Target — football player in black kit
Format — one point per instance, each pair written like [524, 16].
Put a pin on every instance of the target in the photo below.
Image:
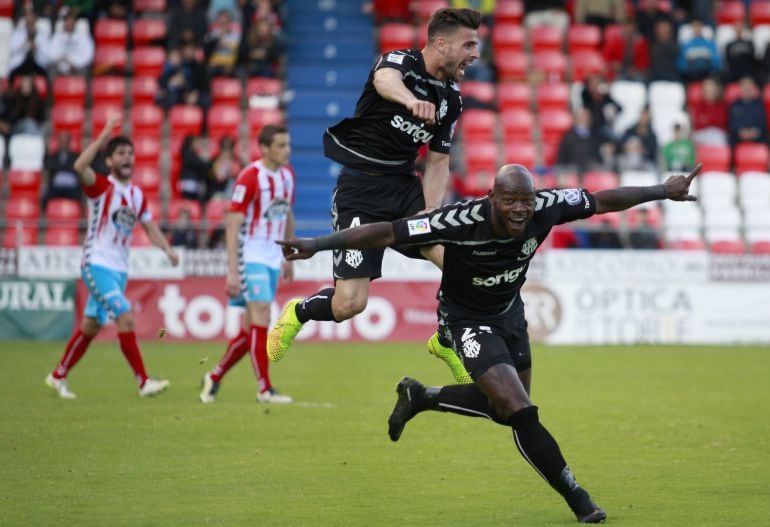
[489, 243]
[411, 99]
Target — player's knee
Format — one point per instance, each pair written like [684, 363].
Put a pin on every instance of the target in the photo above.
[507, 406]
[345, 307]
[125, 322]
[90, 326]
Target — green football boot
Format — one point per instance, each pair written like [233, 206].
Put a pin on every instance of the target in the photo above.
[450, 357]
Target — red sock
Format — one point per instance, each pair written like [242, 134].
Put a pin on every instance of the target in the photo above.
[75, 349]
[236, 349]
[130, 348]
[258, 352]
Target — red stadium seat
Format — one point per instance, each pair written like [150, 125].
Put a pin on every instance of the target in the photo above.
[144, 89]
[146, 150]
[730, 12]
[68, 117]
[728, 247]
[508, 37]
[752, 156]
[481, 156]
[149, 6]
[688, 245]
[391, 10]
[62, 236]
[654, 217]
[518, 125]
[552, 64]
[259, 118]
[24, 183]
[139, 238]
[254, 151]
[759, 12]
[546, 38]
[155, 208]
[110, 32]
[223, 119]
[6, 8]
[109, 59]
[147, 177]
[424, 8]
[509, 11]
[22, 208]
[732, 92]
[520, 153]
[263, 86]
[694, 93]
[583, 37]
[148, 31]
[512, 65]
[108, 90]
[552, 96]
[148, 60]
[185, 120]
[62, 210]
[477, 184]
[215, 212]
[483, 92]
[69, 90]
[100, 113]
[599, 180]
[586, 63]
[514, 95]
[761, 247]
[554, 124]
[395, 35]
[17, 237]
[715, 158]
[176, 205]
[478, 125]
[225, 90]
[146, 119]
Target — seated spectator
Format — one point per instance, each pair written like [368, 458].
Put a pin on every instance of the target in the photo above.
[597, 99]
[29, 48]
[627, 57]
[256, 10]
[648, 14]
[221, 45]
[260, 50]
[224, 169]
[739, 55]
[116, 9]
[187, 23]
[604, 236]
[546, 13]
[644, 235]
[183, 233]
[183, 79]
[70, 52]
[709, 115]
[632, 157]
[579, 149]
[59, 171]
[747, 120]
[643, 130]
[600, 12]
[679, 154]
[664, 53]
[26, 108]
[698, 57]
[195, 170]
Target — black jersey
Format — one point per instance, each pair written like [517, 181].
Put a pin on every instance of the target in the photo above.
[382, 137]
[483, 273]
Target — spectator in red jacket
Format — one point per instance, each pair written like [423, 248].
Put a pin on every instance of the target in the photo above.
[709, 115]
[628, 55]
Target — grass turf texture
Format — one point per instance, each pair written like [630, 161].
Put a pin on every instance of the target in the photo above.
[659, 435]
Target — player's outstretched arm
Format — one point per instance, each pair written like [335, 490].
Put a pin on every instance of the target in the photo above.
[83, 163]
[676, 188]
[371, 236]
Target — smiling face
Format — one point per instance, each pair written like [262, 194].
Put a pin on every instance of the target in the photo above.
[513, 201]
[458, 49]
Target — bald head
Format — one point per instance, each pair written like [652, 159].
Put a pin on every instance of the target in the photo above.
[514, 176]
[512, 199]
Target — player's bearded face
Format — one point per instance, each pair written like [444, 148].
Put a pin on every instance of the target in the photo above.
[513, 211]
[121, 162]
[462, 49]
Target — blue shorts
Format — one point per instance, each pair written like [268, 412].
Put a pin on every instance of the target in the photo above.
[258, 284]
[106, 289]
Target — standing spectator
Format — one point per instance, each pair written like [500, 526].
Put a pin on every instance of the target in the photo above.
[70, 52]
[739, 55]
[643, 130]
[628, 57]
[709, 115]
[698, 57]
[59, 169]
[679, 154]
[747, 120]
[600, 12]
[183, 233]
[579, 148]
[224, 169]
[26, 108]
[597, 99]
[195, 170]
[187, 23]
[222, 44]
[29, 48]
[261, 49]
[644, 235]
[664, 53]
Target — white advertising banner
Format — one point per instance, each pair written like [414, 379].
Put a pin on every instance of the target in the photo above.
[64, 262]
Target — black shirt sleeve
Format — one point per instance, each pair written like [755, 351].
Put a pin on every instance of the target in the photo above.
[442, 141]
[398, 60]
[565, 205]
[456, 222]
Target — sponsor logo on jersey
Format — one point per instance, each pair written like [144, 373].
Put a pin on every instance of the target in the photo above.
[416, 131]
[277, 210]
[571, 196]
[484, 253]
[419, 226]
[395, 58]
[124, 219]
[506, 277]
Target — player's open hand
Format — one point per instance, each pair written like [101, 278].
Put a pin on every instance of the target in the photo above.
[423, 110]
[297, 248]
[678, 187]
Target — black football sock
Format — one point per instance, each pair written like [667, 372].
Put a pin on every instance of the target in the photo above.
[316, 307]
[541, 451]
[463, 399]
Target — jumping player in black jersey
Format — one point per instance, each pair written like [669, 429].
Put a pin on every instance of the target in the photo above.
[411, 99]
[489, 243]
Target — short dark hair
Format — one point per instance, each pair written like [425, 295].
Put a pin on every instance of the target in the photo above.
[269, 131]
[115, 142]
[447, 20]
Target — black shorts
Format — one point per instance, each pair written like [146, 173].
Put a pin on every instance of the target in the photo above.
[363, 198]
[481, 344]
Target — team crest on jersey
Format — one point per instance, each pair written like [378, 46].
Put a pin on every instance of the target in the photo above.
[571, 196]
[442, 109]
[529, 247]
[420, 226]
[354, 258]
[124, 220]
[471, 346]
[277, 210]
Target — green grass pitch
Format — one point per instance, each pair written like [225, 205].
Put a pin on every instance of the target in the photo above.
[659, 435]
